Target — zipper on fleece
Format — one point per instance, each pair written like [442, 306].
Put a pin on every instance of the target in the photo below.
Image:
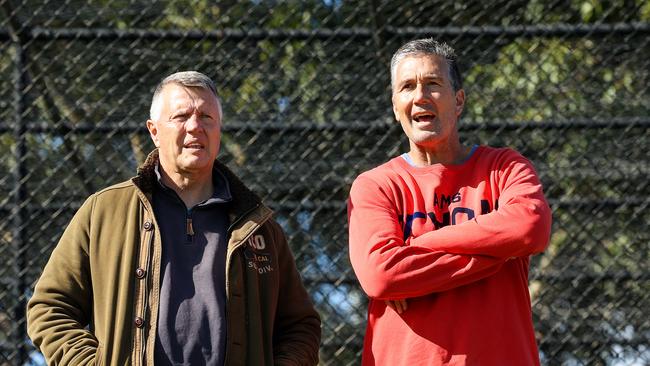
[189, 228]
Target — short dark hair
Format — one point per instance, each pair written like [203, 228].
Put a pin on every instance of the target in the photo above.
[428, 46]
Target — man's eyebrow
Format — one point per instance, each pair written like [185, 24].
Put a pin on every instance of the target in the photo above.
[179, 111]
[425, 77]
[406, 80]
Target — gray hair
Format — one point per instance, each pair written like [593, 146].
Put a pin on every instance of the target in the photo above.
[188, 79]
[427, 47]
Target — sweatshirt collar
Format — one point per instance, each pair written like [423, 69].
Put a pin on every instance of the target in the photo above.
[243, 199]
[221, 188]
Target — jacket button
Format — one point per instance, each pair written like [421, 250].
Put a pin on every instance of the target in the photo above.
[148, 225]
[140, 273]
[139, 322]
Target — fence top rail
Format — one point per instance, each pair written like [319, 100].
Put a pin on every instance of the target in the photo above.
[538, 30]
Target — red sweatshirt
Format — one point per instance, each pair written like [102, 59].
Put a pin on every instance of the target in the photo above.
[455, 241]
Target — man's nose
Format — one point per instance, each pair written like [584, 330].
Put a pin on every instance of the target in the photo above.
[420, 94]
[193, 123]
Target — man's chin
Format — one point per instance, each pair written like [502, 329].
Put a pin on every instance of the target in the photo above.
[196, 164]
[426, 138]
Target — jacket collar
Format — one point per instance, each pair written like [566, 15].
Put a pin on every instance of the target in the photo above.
[243, 199]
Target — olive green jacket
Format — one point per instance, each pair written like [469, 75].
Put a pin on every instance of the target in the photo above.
[96, 302]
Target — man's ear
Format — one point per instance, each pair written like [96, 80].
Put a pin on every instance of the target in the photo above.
[153, 132]
[460, 102]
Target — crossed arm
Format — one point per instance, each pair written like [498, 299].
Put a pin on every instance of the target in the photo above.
[390, 268]
[518, 228]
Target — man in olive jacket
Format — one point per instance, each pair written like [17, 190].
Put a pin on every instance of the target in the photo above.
[182, 264]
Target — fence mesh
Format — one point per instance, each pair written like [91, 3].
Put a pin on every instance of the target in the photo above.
[307, 107]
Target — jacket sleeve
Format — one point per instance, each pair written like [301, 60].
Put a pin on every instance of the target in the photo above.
[60, 309]
[297, 333]
[388, 268]
[520, 227]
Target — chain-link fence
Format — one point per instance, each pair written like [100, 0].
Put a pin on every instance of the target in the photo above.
[307, 107]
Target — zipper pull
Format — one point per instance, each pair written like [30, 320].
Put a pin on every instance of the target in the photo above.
[189, 229]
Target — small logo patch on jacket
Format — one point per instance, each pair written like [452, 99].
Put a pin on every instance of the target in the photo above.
[257, 260]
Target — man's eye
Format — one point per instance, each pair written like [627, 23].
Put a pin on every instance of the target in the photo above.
[408, 86]
[179, 118]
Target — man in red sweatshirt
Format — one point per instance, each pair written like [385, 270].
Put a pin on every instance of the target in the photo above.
[440, 237]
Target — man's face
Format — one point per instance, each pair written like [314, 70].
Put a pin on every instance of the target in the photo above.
[424, 101]
[188, 130]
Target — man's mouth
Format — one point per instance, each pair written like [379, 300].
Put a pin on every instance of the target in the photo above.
[193, 146]
[424, 117]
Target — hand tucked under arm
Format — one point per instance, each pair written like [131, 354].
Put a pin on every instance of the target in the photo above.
[399, 306]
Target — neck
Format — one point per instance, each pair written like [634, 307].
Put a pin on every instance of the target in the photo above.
[424, 155]
[192, 188]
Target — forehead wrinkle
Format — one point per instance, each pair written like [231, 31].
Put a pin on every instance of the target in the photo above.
[411, 65]
[431, 75]
[172, 93]
[194, 102]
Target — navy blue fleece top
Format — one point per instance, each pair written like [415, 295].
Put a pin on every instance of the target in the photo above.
[192, 312]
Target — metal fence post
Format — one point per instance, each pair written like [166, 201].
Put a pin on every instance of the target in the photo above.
[19, 196]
